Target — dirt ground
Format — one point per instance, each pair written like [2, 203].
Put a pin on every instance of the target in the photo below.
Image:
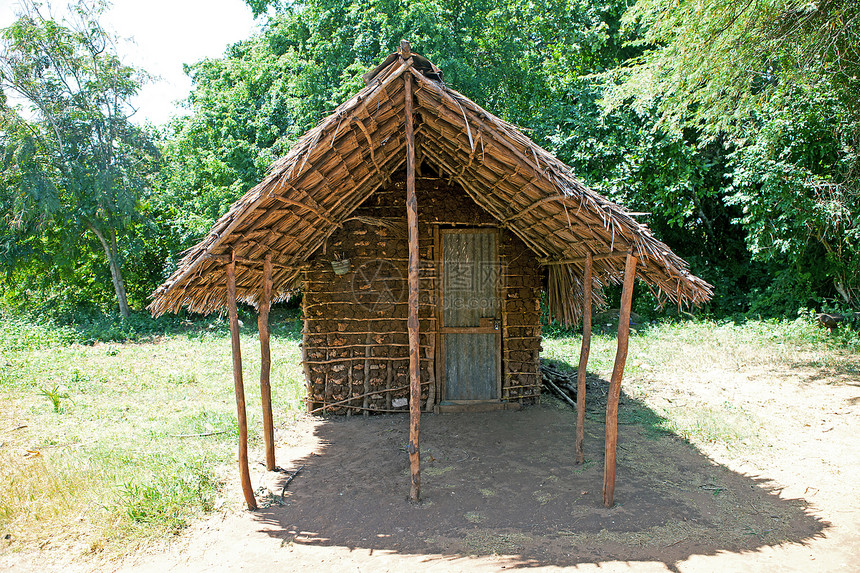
[500, 491]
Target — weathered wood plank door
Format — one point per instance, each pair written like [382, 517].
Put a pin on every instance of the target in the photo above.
[471, 318]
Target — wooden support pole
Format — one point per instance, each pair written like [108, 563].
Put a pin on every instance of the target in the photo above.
[583, 361]
[615, 382]
[244, 474]
[266, 364]
[412, 320]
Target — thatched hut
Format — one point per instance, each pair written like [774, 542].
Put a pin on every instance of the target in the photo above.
[421, 230]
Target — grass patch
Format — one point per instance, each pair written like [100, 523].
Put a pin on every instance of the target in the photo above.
[176, 491]
[92, 452]
[38, 491]
[474, 517]
[669, 382]
[710, 425]
[724, 424]
[653, 424]
[55, 396]
[686, 346]
[489, 541]
[436, 470]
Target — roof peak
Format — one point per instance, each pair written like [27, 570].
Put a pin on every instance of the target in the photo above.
[405, 53]
[405, 49]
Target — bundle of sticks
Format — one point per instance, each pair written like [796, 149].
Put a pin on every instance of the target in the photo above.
[559, 382]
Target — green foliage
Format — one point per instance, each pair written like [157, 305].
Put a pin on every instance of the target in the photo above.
[45, 327]
[788, 291]
[796, 183]
[249, 108]
[20, 332]
[55, 395]
[777, 81]
[175, 492]
[710, 63]
[74, 168]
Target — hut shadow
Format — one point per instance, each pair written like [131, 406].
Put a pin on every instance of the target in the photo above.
[504, 484]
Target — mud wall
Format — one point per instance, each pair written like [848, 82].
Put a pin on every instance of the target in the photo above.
[355, 342]
[521, 333]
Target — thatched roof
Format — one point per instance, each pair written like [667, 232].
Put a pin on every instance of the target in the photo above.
[334, 167]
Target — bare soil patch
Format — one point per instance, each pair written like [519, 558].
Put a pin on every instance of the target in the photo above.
[500, 490]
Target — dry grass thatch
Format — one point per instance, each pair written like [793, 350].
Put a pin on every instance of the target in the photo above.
[334, 167]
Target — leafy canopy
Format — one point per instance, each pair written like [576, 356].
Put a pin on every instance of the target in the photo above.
[74, 167]
[249, 107]
[710, 63]
[778, 82]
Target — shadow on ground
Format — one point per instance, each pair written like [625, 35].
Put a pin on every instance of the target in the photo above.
[504, 484]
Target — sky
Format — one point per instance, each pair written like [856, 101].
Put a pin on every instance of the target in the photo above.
[165, 34]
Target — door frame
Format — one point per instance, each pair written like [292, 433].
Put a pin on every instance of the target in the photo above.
[489, 326]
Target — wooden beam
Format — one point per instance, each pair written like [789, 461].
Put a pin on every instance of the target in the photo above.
[412, 320]
[537, 203]
[583, 362]
[266, 364]
[253, 263]
[244, 474]
[370, 144]
[581, 260]
[315, 210]
[306, 368]
[453, 104]
[615, 383]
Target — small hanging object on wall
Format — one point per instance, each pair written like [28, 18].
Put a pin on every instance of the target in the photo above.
[340, 265]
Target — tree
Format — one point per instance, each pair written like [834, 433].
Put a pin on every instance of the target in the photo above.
[778, 82]
[248, 108]
[73, 162]
[710, 63]
[797, 184]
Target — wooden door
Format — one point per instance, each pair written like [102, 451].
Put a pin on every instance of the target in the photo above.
[470, 317]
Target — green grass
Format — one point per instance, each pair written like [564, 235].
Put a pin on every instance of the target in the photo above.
[90, 432]
[92, 417]
[666, 358]
[693, 345]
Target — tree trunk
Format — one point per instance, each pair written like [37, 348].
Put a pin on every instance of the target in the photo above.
[845, 293]
[112, 254]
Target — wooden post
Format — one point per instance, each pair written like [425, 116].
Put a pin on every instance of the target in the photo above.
[615, 382]
[240, 386]
[583, 362]
[412, 321]
[306, 367]
[266, 363]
